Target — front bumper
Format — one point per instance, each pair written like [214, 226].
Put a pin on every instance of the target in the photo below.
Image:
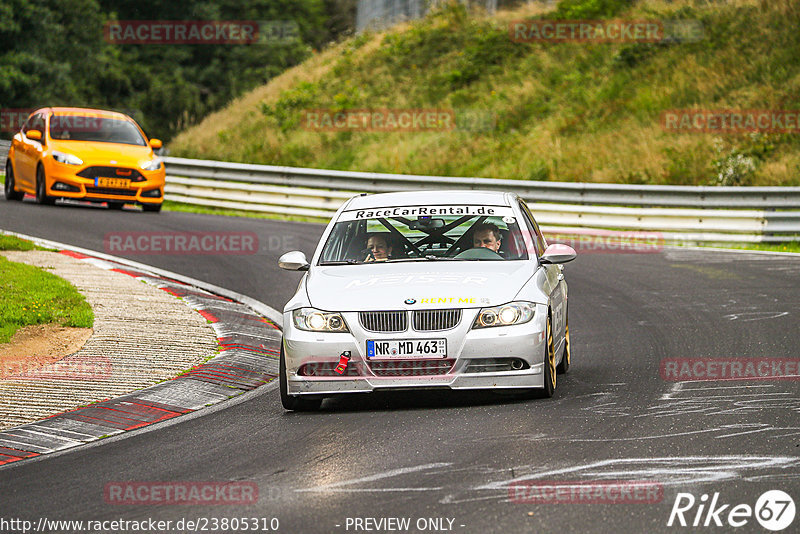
[464, 346]
[149, 191]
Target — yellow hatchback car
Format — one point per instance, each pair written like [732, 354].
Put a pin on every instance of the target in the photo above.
[85, 154]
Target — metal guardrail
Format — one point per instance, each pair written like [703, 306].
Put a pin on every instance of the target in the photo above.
[567, 192]
[678, 213]
[4, 146]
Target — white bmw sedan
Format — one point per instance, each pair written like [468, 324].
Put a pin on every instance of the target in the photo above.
[428, 289]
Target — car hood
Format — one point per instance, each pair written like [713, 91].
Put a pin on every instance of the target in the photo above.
[104, 153]
[430, 284]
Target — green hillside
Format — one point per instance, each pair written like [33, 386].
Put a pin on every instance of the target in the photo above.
[559, 111]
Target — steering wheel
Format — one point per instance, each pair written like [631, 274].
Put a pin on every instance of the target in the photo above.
[481, 253]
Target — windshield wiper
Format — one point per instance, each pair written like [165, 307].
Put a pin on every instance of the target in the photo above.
[428, 257]
[341, 262]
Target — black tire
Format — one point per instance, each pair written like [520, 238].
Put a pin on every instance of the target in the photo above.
[566, 359]
[296, 404]
[41, 192]
[152, 208]
[115, 205]
[549, 365]
[11, 194]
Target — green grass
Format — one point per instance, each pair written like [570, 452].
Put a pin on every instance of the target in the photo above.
[789, 246]
[31, 296]
[566, 112]
[10, 242]
[170, 205]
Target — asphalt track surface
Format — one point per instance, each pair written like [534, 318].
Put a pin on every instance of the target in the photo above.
[440, 455]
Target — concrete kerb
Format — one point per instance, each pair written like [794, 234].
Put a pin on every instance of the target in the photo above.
[248, 358]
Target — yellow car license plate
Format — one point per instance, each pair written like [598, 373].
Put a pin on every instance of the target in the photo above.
[117, 183]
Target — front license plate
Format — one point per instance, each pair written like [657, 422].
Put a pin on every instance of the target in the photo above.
[117, 183]
[397, 349]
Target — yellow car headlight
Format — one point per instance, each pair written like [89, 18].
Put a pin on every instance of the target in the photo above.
[66, 159]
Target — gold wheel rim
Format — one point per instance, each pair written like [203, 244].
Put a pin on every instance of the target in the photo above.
[566, 344]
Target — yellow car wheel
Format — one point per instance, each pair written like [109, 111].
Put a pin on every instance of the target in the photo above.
[41, 190]
[11, 193]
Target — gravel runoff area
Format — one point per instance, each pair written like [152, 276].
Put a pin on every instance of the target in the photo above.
[142, 336]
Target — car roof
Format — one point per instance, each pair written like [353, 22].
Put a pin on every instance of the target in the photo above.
[414, 198]
[61, 111]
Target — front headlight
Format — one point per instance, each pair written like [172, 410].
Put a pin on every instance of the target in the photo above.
[318, 321]
[67, 159]
[505, 315]
[152, 165]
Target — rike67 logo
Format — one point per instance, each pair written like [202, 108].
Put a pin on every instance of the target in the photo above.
[774, 510]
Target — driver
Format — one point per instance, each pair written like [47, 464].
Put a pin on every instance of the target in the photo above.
[486, 235]
[378, 248]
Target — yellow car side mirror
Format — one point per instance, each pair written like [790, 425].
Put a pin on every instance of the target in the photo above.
[36, 135]
[155, 143]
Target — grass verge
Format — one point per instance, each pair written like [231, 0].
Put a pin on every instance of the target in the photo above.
[205, 210]
[789, 246]
[10, 242]
[30, 296]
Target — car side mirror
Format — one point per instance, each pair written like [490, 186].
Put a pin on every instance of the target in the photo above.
[293, 261]
[156, 143]
[558, 253]
[36, 135]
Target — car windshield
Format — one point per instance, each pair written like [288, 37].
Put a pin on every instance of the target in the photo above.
[96, 129]
[425, 233]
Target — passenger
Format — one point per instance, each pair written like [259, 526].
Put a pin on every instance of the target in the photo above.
[378, 248]
[486, 235]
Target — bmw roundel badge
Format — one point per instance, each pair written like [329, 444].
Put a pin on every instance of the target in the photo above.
[410, 301]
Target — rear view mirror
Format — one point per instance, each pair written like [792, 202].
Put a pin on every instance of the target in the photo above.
[36, 135]
[155, 143]
[558, 253]
[293, 261]
[425, 223]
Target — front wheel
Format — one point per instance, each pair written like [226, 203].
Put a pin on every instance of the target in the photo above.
[549, 365]
[566, 358]
[154, 208]
[11, 193]
[297, 404]
[41, 189]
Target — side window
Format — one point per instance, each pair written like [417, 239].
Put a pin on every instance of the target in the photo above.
[27, 126]
[37, 123]
[536, 234]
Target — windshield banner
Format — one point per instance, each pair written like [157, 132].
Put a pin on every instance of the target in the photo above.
[426, 211]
